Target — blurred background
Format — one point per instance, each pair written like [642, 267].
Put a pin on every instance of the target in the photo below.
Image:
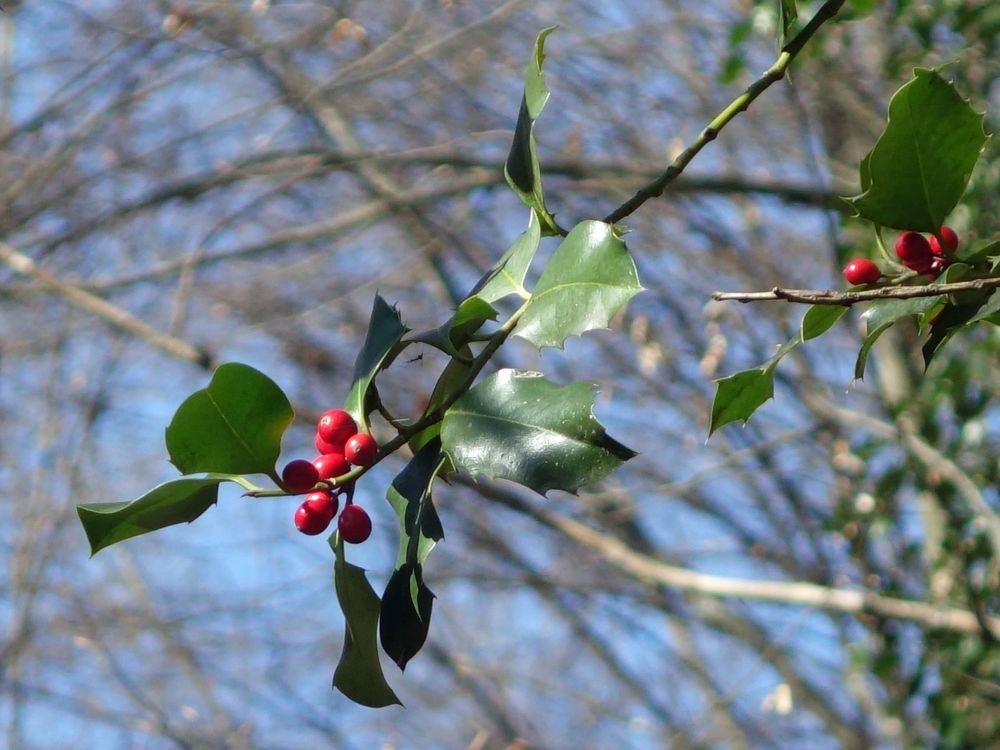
[189, 183]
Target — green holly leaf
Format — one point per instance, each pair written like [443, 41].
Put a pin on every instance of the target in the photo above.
[359, 674]
[950, 321]
[177, 501]
[819, 319]
[920, 165]
[385, 330]
[787, 14]
[517, 425]
[588, 279]
[234, 426]
[407, 601]
[739, 395]
[521, 169]
[881, 316]
[507, 276]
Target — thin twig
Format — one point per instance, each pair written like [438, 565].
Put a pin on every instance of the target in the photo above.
[740, 104]
[112, 314]
[830, 297]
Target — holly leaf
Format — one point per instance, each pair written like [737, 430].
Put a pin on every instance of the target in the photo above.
[406, 613]
[588, 279]
[517, 425]
[787, 14]
[233, 426]
[469, 317]
[950, 321]
[507, 276]
[177, 501]
[881, 316]
[921, 164]
[359, 674]
[407, 601]
[819, 319]
[521, 169]
[410, 496]
[385, 329]
[739, 395]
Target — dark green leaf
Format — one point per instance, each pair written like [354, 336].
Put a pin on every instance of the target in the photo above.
[177, 501]
[819, 319]
[588, 279]
[521, 169]
[988, 310]
[359, 675]
[517, 425]
[456, 333]
[234, 426]
[406, 614]
[921, 163]
[739, 395]
[507, 276]
[890, 311]
[978, 255]
[948, 322]
[385, 329]
[409, 495]
[881, 316]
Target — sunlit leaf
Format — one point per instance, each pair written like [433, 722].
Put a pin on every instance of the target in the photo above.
[521, 169]
[177, 501]
[517, 425]
[920, 165]
[787, 14]
[588, 279]
[507, 276]
[881, 316]
[739, 395]
[819, 319]
[233, 426]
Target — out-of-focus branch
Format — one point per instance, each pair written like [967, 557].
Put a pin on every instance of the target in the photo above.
[831, 599]
[101, 308]
[829, 297]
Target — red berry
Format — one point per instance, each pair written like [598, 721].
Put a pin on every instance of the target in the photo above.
[937, 267]
[335, 426]
[949, 238]
[354, 524]
[323, 502]
[915, 251]
[861, 271]
[299, 475]
[311, 521]
[324, 447]
[331, 465]
[360, 449]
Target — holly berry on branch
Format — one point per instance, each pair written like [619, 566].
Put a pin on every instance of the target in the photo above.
[861, 271]
[354, 524]
[340, 447]
[948, 237]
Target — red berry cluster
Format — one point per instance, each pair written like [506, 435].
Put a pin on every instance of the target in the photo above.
[916, 252]
[340, 446]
